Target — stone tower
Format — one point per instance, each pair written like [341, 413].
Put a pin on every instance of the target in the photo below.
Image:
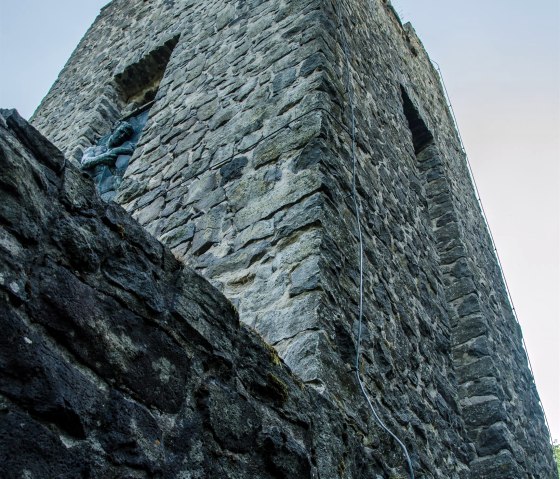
[263, 124]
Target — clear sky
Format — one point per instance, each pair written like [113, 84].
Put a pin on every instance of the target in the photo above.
[501, 62]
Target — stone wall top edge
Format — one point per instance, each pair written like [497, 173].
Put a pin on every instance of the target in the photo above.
[107, 5]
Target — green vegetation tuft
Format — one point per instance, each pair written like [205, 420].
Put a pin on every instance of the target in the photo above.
[278, 388]
[556, 449]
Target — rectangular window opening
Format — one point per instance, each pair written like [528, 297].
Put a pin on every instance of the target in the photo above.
[133, 93]
[138, 84]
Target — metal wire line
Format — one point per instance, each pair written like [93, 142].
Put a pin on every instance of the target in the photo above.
[357, 209]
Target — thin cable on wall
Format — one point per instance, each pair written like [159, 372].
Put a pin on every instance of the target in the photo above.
[357, 208]
[487, 224]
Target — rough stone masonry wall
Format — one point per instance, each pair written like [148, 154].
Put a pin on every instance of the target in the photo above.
[118, 361]
[212, 176]
[85, 101]
[226, 175]
[417, 203]
[244, 171]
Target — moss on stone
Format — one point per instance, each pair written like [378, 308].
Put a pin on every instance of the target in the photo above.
[278, 387]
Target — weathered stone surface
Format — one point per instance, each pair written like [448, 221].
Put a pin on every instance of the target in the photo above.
[493, 439]
[497, 467]
[245, 169]
[117, 361]
[233, 169]
[483, 410]
[305, 277]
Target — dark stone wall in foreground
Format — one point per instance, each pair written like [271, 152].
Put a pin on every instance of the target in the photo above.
[117, 361]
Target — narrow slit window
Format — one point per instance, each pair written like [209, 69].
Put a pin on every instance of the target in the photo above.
[421, 136]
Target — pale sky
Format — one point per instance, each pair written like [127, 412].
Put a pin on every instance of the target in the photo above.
[501, 62]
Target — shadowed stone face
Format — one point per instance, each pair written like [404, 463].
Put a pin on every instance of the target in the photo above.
[118, 361]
